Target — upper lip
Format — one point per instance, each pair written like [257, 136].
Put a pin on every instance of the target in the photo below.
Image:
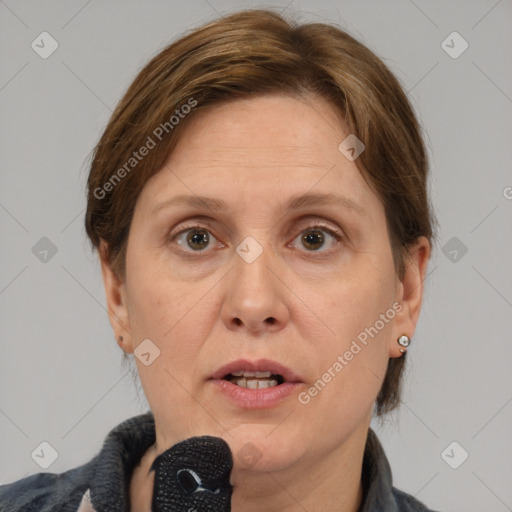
[261, 365]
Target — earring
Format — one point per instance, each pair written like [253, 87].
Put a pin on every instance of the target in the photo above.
[120, 342]
[403, 341]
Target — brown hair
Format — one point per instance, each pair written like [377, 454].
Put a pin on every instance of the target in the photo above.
[253, 53]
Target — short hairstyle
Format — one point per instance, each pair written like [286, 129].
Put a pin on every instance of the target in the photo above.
[253, 53]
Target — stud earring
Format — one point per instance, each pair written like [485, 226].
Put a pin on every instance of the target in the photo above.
[404, 342]
[120, 342]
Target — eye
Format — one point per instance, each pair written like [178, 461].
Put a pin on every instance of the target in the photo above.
[196, 238]
[314, 238]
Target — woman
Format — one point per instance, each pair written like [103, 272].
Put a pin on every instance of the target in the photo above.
[258, 201]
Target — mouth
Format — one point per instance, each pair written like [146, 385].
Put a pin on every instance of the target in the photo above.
[255, 380]
[256, 384]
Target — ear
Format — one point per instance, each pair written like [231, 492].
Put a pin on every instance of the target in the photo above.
[115, 290]
[410, 293]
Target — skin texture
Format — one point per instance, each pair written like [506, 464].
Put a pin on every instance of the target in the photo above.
[298, 304]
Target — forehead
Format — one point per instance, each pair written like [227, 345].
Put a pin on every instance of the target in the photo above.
[266, 147]
[279, 129]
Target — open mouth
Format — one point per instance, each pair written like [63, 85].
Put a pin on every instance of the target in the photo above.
[254, 380]
[260, 384]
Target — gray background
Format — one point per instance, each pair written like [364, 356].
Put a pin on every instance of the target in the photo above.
[61, 377]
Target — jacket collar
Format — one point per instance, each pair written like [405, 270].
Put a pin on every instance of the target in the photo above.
[85, 504]
[112, 468]
[377, 478]
[126, 444]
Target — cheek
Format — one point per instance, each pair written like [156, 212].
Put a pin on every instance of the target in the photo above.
[157, 299]
[349, 377]
[354, 301]
[175, 315]
[354, 353]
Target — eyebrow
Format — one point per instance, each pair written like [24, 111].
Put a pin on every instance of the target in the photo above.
[294, 203]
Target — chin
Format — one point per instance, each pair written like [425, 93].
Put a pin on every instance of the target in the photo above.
[263, 448]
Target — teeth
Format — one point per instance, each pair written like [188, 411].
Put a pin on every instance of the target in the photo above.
[256, 384]
[252, 384]
[254, 380]
[263, 384]
[261, 375]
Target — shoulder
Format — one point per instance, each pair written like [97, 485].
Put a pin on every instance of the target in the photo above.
[45, 492]
[408, 503]
[105, 476]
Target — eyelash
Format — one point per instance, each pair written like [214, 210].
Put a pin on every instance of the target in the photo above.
[206, 226]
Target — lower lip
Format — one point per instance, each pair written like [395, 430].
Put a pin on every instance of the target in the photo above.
[256, 398]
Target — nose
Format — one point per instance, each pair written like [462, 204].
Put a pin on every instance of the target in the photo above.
[255, 298]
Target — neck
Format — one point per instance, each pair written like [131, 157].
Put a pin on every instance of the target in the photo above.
[142, 482]
[331, 482]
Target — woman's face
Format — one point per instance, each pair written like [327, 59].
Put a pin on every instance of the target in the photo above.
[260, 247]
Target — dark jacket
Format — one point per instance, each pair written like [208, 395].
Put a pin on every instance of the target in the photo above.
[102, 485]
